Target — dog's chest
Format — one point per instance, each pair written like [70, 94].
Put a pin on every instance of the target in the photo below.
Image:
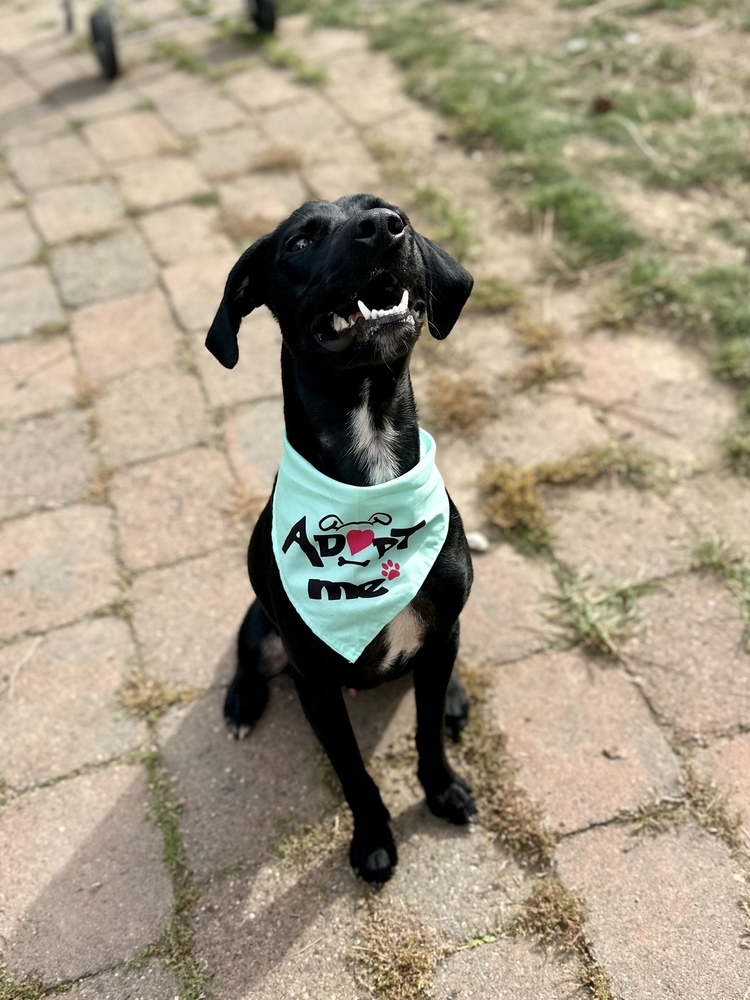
[403, 637]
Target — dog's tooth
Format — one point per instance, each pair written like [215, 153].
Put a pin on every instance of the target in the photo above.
[404, 303]
[339, 323]
[363, 309]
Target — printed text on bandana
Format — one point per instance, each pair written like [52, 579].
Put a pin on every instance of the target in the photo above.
[342, 542]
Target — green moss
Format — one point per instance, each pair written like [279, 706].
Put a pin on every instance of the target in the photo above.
[725, 293]
[731, 361]
[594, 230]
[282, 57]
[447, 226]
[25, 989]
[736, 450]
[176, 948]
[492, 295]
[337, 14]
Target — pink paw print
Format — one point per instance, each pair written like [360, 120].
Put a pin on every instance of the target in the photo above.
[390, 570]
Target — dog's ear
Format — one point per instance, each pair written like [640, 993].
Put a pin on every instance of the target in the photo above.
[243, 292]
[448, 287]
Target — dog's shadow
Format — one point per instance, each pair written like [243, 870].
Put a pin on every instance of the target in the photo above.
[111, 897]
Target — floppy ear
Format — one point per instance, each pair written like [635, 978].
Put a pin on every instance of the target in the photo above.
[448, 287]
[243, 292]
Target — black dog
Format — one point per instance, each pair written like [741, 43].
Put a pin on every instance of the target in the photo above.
[351, 285]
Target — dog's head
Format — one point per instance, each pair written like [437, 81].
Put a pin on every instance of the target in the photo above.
[350, 283]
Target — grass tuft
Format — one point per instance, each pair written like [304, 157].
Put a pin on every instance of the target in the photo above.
[176, 948]
[552, 915]
[505, 808]
[615, 460]
[299, 846]
[736, 450]
[448, 226]
[512, 504]
[595, 231]
[555, 917]
[731, 361]
[701, 802]
[149, 697]
[458, 403]
[733, 569]
[396, 955]
[25, 989]
[494, 295]
[548, 366]
[596, 619]
[716, 554]
[511, 493]
[744, 905]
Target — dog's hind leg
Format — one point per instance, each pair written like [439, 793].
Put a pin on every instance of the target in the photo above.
[456, 708]
[260, 655]
[447, 794]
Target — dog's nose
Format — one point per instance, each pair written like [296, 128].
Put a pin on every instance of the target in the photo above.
[379, 228]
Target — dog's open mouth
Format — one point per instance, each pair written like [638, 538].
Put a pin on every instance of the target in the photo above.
[383, 305]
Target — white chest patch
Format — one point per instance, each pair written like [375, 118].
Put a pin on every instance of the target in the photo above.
[404, 636]
[372, 446]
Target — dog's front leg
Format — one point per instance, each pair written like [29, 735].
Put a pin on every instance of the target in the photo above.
[447, 794]
[372, 852]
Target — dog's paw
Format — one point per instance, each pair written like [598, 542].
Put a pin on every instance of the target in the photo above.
[373, 856]
[243, 706]
[455, 803]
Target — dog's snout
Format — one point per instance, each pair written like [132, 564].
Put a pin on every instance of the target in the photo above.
[379, 227]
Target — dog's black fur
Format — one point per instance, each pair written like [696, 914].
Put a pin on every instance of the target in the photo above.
[349, 410]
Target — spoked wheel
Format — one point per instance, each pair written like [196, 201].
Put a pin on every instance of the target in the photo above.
[103, 39]
[263, 13]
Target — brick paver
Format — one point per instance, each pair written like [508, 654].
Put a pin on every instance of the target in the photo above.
[664, 918]
[172, 508]
[96, 863]
[32, 475]
[691, 656]
[28, 302]
[150, 412]
[76, 210]
[47, 728]
[39, 375]
[132, 463]
[112, 265]
[130, 137]
[56, 567]
[122, 335]
[586, 743]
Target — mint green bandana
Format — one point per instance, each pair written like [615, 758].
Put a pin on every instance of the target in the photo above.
[352, 557]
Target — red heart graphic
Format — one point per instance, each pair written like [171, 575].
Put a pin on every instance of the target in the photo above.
[358, 540]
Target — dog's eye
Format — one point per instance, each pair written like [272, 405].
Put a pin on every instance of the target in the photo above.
[298, 243]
